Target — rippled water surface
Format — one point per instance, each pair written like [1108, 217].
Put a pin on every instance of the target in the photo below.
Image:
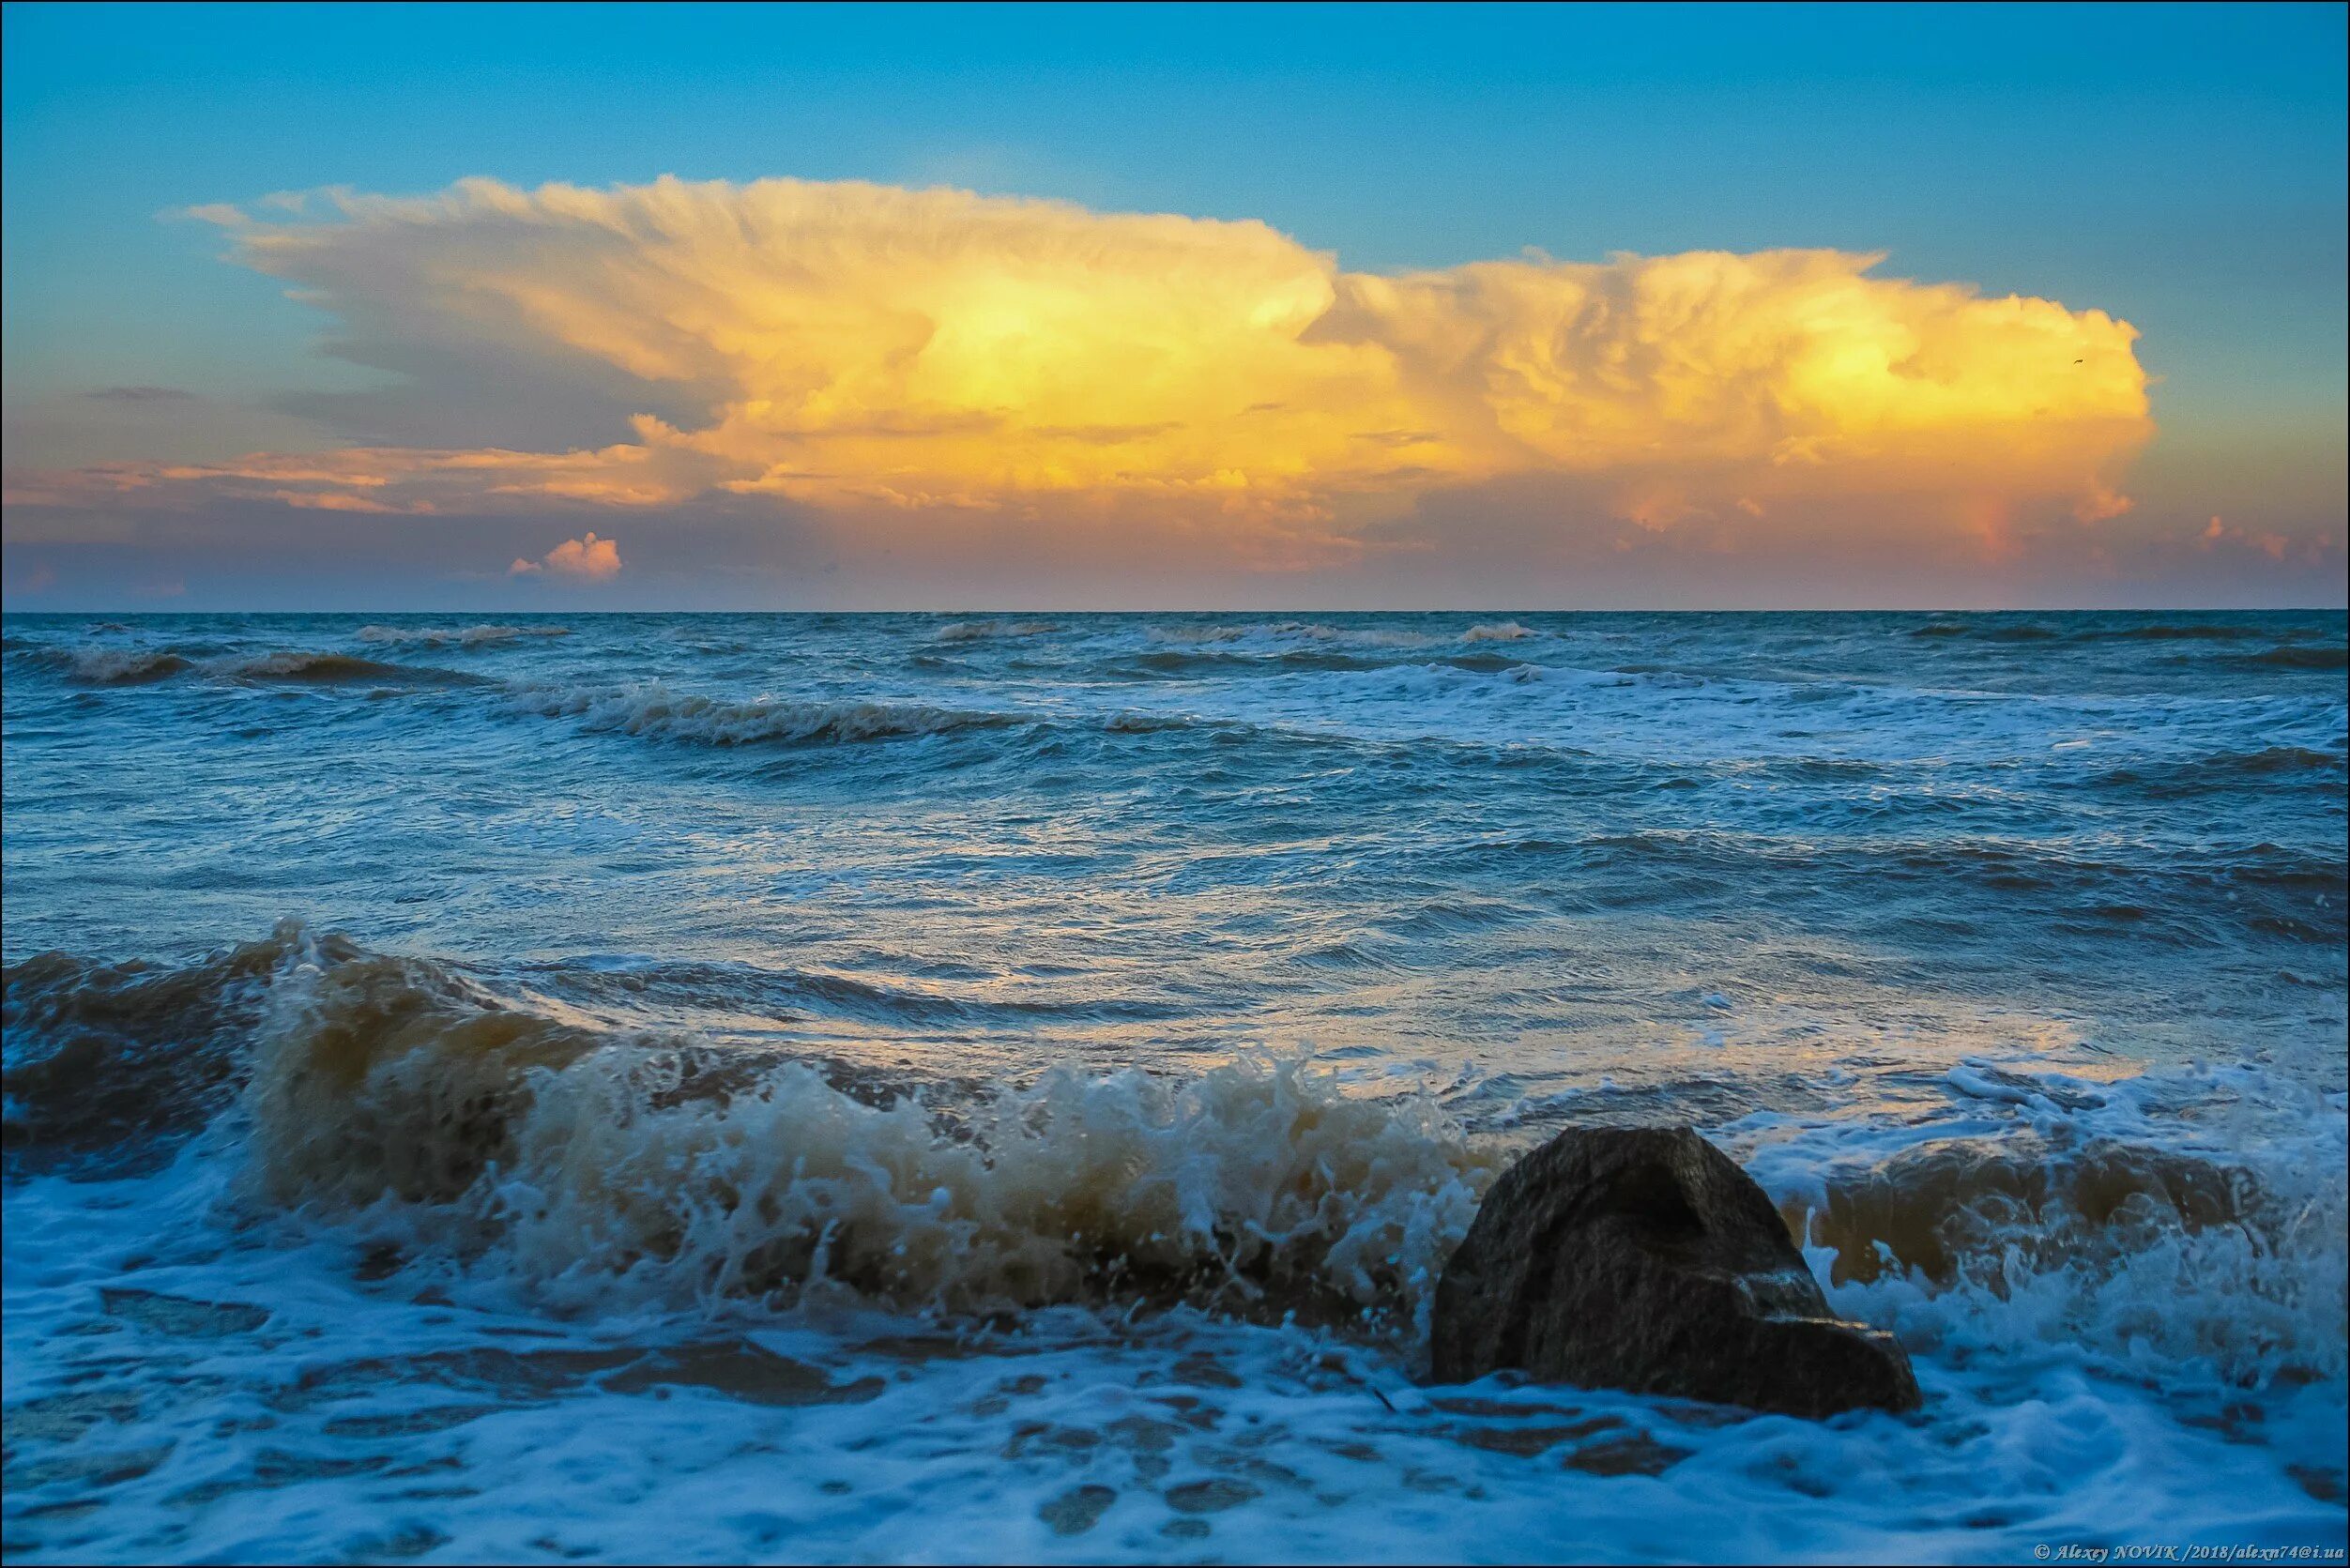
[899, 1086]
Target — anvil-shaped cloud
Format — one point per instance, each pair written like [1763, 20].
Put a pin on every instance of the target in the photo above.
[865, 350]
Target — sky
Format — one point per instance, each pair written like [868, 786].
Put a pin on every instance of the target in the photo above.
[383, 308]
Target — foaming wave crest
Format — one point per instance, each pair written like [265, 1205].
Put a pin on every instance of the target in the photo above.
[1496, 631]
[455, 636]
[115, 667]
[2183, 1219]
[653, 708]
[387, 1087]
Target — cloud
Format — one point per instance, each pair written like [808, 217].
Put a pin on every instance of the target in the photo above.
[898, 359]
[2275, 546]
[587, 558]
[225, 215]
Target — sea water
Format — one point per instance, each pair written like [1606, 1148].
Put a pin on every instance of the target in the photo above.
[620, 1088]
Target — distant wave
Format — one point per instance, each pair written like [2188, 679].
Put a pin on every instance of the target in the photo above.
[113, 666]
[1205, 661]
[984, 631]
[656, 709]
[118, 666]
[329, 669]
[2300, 656]
[1278, 633]
[455, 636]
[2185, 633]
[2291, 655]
[1496, 631]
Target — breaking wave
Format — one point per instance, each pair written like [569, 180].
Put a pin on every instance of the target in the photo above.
[115, 666]
[2180, 1219]
[392, 1091]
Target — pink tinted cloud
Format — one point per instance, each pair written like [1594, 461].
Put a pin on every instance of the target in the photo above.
[588, 558]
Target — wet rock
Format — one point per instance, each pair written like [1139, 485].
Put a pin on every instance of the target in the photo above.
[1645, 1258]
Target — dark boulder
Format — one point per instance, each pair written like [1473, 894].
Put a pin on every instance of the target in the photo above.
[1644, 1258]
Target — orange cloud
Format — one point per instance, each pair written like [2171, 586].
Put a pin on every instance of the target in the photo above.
[2273, 545]
[870, 351]
[587, 557]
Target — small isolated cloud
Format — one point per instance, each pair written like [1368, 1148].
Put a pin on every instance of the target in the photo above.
[588, 558]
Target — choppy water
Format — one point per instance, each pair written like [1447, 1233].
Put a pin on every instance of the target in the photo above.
[905, 1086]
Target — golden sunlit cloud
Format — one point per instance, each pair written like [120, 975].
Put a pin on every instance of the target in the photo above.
[867, 351]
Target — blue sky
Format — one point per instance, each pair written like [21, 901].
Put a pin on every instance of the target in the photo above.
[2181, 167]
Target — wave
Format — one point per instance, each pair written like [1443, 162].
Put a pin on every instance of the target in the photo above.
[766, 994]
[2267, 886]
[619, 1171]
[115, 666]
[2222, 771]
[1209, 662]
[1998, 632]
[455, 636]
[330, 669]
[2299, 657]
[1291, 632]
[1496, 631]
[2289, 655]
[2188, 1218]
[2183, 633]
[984, 631]
[581, 1163]
[2180, 1220]
[654, 708]
[107, 1064]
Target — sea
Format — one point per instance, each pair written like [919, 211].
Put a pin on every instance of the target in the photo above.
[954, 1088]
